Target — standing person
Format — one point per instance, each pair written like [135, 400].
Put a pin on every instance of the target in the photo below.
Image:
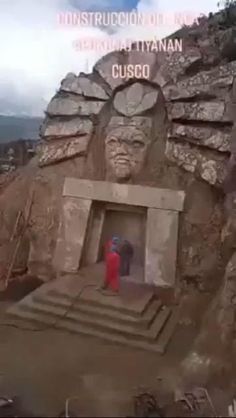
[107, 248]
[113, 241]
[126, 253]
[112, 260]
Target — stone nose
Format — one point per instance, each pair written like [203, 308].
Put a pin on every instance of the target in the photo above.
[121, 146]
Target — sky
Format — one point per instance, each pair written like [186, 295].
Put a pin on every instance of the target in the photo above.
[37, 52]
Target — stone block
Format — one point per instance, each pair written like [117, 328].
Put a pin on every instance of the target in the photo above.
[161, 247]
[123, 193]
[202, 136]
[104, 68]
[62, 149]
[71, 239]
[231, 111]
[174, 64]
[72, 106]
[208, 166]
[213, 82]
[135, 99]
[203, 111]
[59, 128]
[94, 236]
[143, 58]
[83, 86]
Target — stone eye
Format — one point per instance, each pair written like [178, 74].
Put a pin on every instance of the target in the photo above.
[112, 141]
[138, 144]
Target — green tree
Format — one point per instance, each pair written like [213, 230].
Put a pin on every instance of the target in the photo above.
[227, 3]
[228, 10]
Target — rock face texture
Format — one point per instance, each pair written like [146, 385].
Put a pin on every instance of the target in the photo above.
[196, 101]
[173, 130]
[135, 99]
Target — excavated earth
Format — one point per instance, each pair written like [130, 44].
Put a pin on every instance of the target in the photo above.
[44, 368]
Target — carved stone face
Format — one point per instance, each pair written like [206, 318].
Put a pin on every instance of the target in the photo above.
[125, 150]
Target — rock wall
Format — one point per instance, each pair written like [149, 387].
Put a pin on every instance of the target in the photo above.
[15, 189]
[172, 130]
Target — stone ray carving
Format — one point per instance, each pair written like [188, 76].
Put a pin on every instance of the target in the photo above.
[196, 161]
[55, 151]
[205, 82]
[72, 106]
[183, 89]
[83, 86]
[143, 58]
[213, 111]
[173, 65]
[104, 68]
[135, 99]
[59, 128]
[202, 136]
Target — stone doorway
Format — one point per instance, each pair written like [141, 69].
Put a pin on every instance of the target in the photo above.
[84, 207]
[128, 223]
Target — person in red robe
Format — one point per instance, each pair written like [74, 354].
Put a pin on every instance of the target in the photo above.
[112, 260]
[114, 241]
[108, 246]
[113, 270]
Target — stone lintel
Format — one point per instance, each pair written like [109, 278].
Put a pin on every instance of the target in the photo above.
[124, 194]
[125, 208]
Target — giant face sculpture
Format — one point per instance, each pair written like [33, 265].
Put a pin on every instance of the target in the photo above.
[126, 146]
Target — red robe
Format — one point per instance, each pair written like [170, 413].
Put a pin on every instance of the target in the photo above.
[108, 246]
[112, 270]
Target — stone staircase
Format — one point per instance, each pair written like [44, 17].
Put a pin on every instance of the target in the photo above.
[135, 318]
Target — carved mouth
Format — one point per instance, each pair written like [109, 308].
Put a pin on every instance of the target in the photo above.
[121, 160]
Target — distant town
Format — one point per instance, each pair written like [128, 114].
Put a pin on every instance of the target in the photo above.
[19, 137]
[16, 153]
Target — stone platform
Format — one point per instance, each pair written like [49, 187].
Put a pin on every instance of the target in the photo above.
[135, 317]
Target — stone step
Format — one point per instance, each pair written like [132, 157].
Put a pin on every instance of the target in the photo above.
[112, 338]
[128, 331]
[16, 313]
[59, 305]
[92, 297]
[168, 331]
[45, 322]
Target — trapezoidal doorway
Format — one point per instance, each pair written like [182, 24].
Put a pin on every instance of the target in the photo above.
[127, 223]
[148, 217]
